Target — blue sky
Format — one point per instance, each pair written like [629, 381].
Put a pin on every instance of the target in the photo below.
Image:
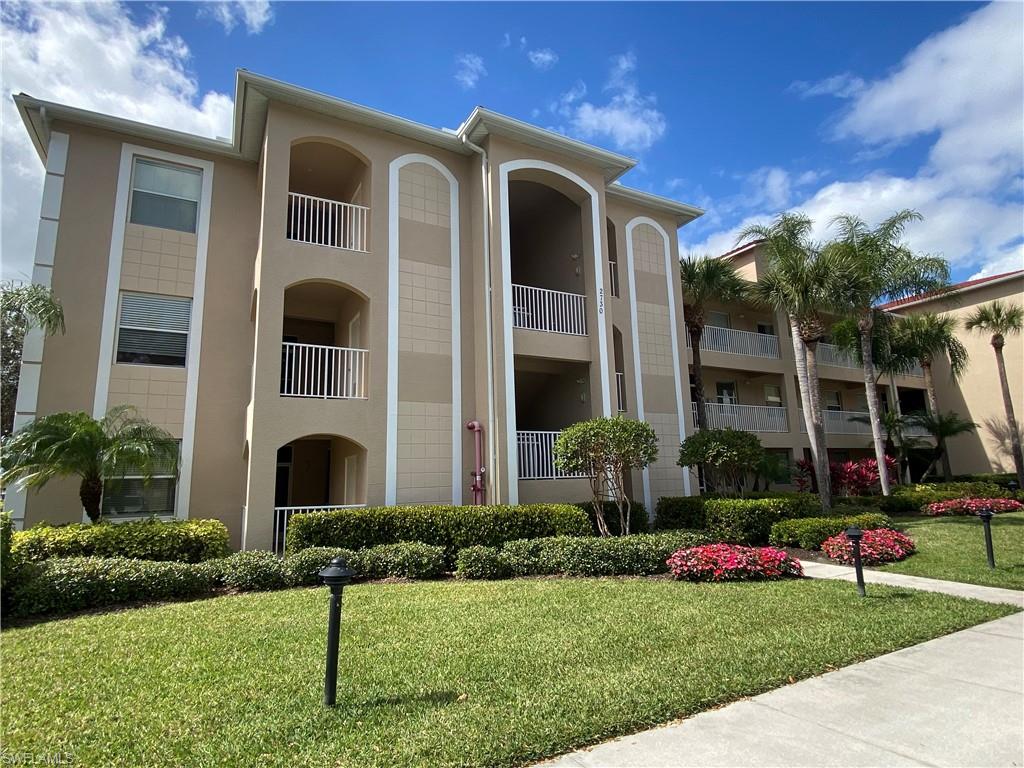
[745, 109]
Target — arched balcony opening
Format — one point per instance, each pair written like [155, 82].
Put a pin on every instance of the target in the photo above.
[620, 369]
[613, 259]
[316, 472]
[328, 196]
[324, 349]
[547, 245]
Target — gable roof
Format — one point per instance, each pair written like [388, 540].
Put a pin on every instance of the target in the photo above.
[957, 288]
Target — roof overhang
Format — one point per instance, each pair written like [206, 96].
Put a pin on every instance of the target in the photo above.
[681, 212]
[895, 308]
[483, 122]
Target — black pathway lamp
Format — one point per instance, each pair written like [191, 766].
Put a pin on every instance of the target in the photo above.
[986, 520]
[854, 534]
[335, 576]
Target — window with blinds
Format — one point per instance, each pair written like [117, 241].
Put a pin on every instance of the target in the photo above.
[153, 330]
[132, 496]
[165, 195]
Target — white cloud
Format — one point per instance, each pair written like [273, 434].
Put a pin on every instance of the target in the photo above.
[1010, 261]
[254, 15]
[629, 119]
[842, 86]
[94, 56]
[469, 68]
[964, 87]
[506, 40]
[542, 58]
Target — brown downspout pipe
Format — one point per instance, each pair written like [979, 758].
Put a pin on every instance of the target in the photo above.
[478, 488]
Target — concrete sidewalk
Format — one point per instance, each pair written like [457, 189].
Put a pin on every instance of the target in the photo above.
[957, 700]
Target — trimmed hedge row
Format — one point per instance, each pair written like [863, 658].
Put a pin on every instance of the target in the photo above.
[674, 512]
[6, 534]
[637, 516]
[909, 499]
[450, 527]
[811, 532]
[185, 541]
[636, 555]
[745, 520]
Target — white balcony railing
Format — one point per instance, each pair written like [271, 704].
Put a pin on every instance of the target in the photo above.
[620, 390]
[749, 418]
[314, 370]
[842, 423]
[718, 339]
[541, 309]
[537, 458]
[331, 223]
[283, 514]
[830, 354]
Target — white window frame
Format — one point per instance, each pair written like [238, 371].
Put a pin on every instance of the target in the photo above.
[187, 334]
[166, 164]
[726, 315]
[839, 400]
[767, 401]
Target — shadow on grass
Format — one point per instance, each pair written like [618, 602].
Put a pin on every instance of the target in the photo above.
[432, 698]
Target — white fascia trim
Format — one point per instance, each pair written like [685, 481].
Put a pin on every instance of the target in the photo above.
[954, 292]
[637, 373]
[391, 461]
[109, 327]
[506, 290]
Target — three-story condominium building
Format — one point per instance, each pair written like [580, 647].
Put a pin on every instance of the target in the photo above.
[318, 307]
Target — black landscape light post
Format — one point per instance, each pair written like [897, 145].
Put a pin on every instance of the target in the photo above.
[335, 576]
[1012, 485]
[854, 534]
[986, 520]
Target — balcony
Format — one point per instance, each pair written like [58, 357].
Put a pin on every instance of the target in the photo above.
[541, 309]
[749, 418]
[536, 456]
[830, 354]
[717, 339]
[841, 423]
[324, 372]
[330, 223]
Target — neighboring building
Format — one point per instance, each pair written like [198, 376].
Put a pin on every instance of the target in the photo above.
[750, 378]
[977, 395]
[317, 306]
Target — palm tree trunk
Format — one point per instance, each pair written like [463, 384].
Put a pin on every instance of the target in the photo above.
[933, 406]
[1011, 421]
[874, 411]
[817, 426]
[800, 355]
[90, 491]
[696, 332]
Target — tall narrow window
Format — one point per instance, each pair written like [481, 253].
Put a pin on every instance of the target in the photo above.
[613, 260]
[773, 395]
[832, 399]
[153, 330]
[165, 195]
[132, 496]
[719, 319]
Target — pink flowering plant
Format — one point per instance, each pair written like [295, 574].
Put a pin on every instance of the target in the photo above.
[879, 545]
[970, 506]
[732, 562]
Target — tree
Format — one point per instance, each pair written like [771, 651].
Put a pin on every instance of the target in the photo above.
[727, 455]
[882, 268]
[805, 283]
[1001, 319]
[605, 450]
[705, 279]
[942, 427]
[897, 442]
[21, 308]
[926, 337]
[95, 450]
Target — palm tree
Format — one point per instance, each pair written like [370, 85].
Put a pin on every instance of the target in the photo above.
[21, 307]
[96, 450]
[941, 426]
[925, 337]
[883, 268]
[705, 279]
[1000, 320]
[805, 283]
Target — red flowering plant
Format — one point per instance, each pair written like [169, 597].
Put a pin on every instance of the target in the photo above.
[803, 475]
[859, 478]
[970, 506]
[880, 545]
[732, 562]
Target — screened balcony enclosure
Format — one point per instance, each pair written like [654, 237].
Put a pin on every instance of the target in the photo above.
[328, 196]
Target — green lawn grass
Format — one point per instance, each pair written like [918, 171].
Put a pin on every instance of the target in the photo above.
[953, 548]
[433, 673]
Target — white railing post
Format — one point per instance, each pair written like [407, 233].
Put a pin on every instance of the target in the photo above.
[330, 223]
[718, 339]
[749, 418]
[536, 456]
[282, 515]
[316, 370]
[541, 309]
[620, 390]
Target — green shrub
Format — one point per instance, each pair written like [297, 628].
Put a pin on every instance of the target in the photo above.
[6, 532]
[998, 478]
[253, 570]
[62, 585]
[637, 555]
[303, 568]
[185, 541]
[453, 528]
[811, 532]
[406, 560]
[482, 563]
[750, 521]
[679, 512]
[909, 499]
[637, 517]
[727, 455]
